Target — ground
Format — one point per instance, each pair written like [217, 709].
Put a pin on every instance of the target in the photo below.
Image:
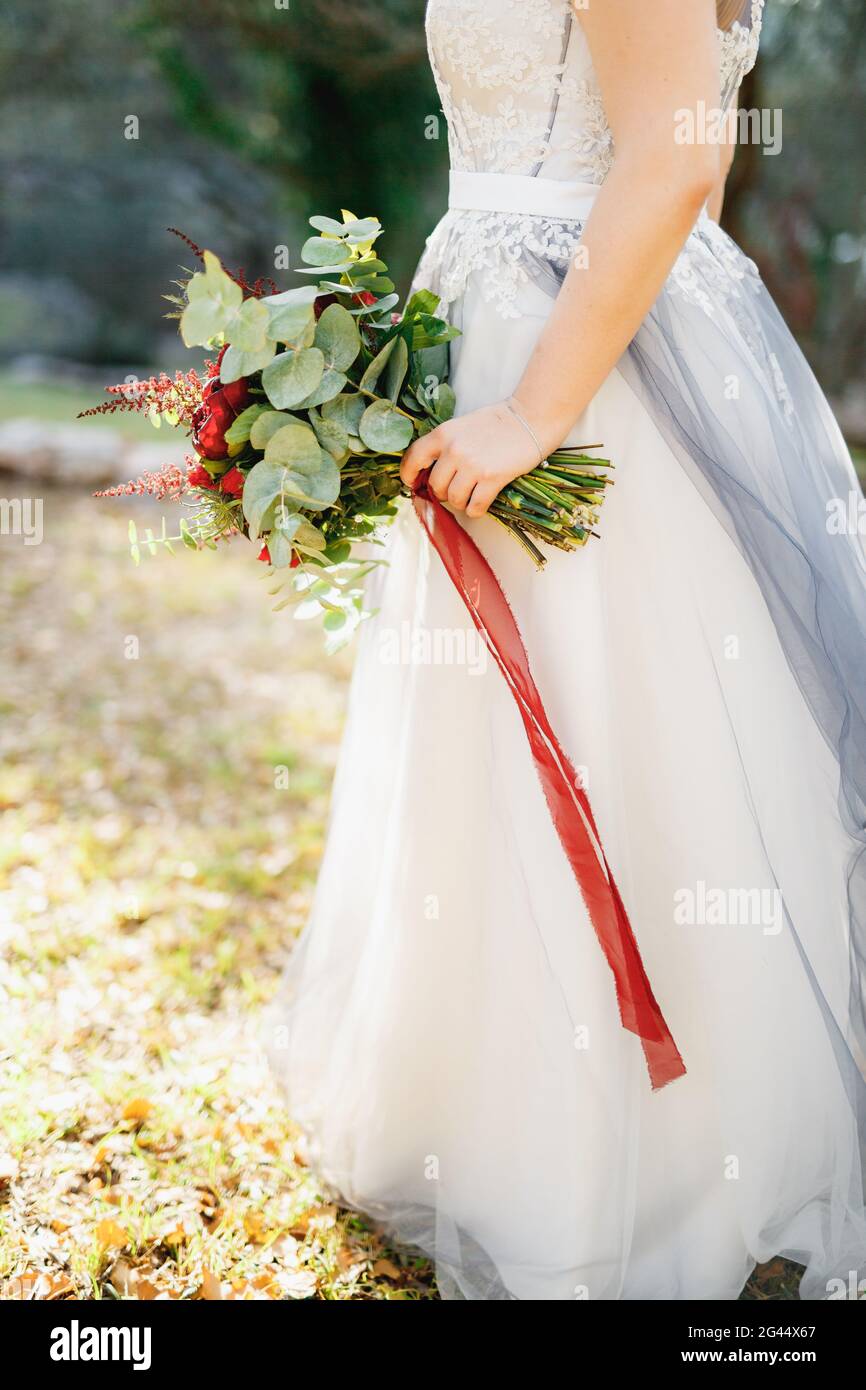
[154, 873]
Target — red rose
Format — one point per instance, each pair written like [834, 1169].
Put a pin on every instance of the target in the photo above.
[295, 560]
[265, 554]
[199, 477]
[366, 296]
[233, 482]
[322, 303]
[219, 407]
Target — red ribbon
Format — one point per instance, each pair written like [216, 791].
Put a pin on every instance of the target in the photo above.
[569, 805]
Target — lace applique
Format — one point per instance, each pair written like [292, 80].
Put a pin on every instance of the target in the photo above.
[498, 247]
[739, 50]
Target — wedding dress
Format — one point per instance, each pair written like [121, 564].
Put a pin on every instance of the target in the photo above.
[448, 1033]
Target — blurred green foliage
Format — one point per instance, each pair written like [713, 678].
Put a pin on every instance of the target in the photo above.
[236, 119]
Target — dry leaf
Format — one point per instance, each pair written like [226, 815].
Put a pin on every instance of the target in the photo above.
[387, 1269]
[211, 1288]
[255, 1227]
[8, 1169]
[138, 1110]
[314, 1219]
[110, 1236]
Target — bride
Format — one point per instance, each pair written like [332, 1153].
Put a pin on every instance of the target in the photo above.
[449, 1033]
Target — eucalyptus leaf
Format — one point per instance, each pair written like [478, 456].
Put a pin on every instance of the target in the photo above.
[236, 363]
[280, 549]
[267, 425]
[239, 431]
[396, 369]
[385, 429]
[262, 488]
[327, 224]
[290, 322]
[321, 251]
[213, 298]
[293, 375]
[445, 401]
[310, 477]
[377, 366]
[338, 337]
[330, 386]
[331, 435]
[248, 329]
[346, 411]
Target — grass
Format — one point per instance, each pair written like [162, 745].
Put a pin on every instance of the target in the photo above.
[152, 881]
[60, 403]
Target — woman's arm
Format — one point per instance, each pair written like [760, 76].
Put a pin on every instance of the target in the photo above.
[652, 60]
[716, 200]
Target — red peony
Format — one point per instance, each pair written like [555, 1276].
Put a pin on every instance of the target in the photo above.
[233, 482]
[219, 407]
[199, 477]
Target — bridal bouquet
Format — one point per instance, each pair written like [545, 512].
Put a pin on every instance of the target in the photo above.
[299, 428]
[301, 422]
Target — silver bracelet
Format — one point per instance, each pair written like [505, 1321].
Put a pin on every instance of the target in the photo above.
[526, 425]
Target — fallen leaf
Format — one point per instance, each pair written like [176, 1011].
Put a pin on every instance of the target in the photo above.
[211, 1288]
[138, 1110]
[110, 1236]
[387, 1269]
[254, 1225]
[8, 1169]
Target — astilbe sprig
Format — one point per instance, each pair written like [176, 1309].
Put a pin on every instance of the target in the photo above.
[177, 396]
[168, 483]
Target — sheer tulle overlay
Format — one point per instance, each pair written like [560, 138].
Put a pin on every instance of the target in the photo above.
[448, 1032]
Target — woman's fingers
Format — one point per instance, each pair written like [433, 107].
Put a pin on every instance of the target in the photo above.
[420, 455]
[460, 489]
[483, 494]
[441, 476]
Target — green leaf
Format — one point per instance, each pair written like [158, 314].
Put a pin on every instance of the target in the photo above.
[377, 366]
[362, 229]
[330, 386]
[309, 476]
[331, 435]
[338, 337]
[237, 363]
[346, 411]
[385, 429]
[444, 401]
[248, 329]
[239, 432]
[421, 302]
[293, 375]
[334, 620]
[309, 537]
[291, 323]
[327, 224]
[213, 299]
[396, 369]
[186, 535]
[132, 531]
[320, 251]
[267, 425]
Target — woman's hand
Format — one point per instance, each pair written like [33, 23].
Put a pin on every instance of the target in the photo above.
[472, 458]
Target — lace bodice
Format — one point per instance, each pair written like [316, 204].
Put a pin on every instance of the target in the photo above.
[520, 95]
[518, 89]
